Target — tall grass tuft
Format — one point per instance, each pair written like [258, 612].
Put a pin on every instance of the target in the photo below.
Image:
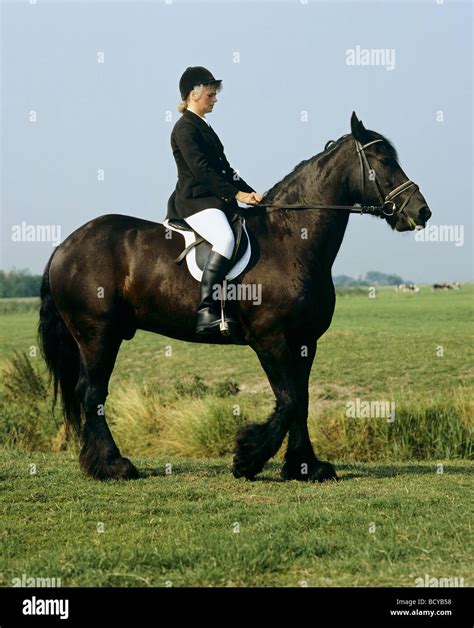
[197, 419]
[198, 388]
[436, 428]
[204, 427]
[150, 422]
[25, 406]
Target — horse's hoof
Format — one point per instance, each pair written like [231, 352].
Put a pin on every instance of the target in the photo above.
[123, 469]
[251, 452]
[239, 471]
[323, 472]
[116, 469]
[311, 471]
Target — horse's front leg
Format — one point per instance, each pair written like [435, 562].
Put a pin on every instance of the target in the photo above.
[300, 460]
[257, 443]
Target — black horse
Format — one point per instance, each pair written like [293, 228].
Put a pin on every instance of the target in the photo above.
[117, 274]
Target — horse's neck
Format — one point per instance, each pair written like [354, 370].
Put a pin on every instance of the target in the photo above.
[315, 234]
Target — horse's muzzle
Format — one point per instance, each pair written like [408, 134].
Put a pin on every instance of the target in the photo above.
[424, 214]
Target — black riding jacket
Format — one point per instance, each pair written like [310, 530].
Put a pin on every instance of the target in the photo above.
[205, 177]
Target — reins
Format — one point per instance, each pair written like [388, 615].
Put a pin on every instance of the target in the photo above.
[353, 209]
[387, 207]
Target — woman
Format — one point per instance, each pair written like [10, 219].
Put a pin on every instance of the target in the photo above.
[208, 188]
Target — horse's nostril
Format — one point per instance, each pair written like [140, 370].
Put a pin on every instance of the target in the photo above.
[425, 213]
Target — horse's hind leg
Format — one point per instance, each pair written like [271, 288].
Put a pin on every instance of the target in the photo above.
[100, 456]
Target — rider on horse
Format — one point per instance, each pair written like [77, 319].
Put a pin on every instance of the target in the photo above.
[208, 188]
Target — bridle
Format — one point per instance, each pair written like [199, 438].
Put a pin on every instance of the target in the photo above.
[382, 210]
[388, 199]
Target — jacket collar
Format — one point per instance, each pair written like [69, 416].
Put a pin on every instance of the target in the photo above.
[197, 120]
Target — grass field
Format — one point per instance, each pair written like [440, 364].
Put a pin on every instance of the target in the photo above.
[381, 525]
[413, 349]
[387, 522]
[373, 345]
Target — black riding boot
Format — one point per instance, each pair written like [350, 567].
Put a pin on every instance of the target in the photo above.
[209, 309]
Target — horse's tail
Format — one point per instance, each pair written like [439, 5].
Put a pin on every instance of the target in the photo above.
[61, 354]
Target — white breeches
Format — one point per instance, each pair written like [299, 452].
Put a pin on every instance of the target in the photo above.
[213, 226]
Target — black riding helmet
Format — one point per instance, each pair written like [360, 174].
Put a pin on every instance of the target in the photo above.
[195, 75]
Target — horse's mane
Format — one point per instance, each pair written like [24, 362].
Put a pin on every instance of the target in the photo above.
[328, 149]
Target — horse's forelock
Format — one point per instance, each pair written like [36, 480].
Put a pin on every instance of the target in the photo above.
[373, 135]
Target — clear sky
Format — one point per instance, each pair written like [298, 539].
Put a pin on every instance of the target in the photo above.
[277, 59]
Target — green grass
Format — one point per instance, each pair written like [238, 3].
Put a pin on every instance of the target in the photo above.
[384, 348]
[13, 305]
[372, 345]
[179, 528]
[377, 349]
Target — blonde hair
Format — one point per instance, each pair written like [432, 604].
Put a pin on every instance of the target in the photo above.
[183, 105]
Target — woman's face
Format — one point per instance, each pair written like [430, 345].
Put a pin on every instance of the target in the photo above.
[206, 100]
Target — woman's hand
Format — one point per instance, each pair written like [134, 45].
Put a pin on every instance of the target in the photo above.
[251, 198]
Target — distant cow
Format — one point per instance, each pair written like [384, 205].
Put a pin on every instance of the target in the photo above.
[407, 288]
[447, 286]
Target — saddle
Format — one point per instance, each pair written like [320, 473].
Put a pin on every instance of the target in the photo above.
[197, 249]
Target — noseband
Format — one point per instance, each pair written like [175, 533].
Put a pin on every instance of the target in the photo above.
[388, 199]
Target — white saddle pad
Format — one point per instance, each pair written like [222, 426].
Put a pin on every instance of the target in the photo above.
[196, 272]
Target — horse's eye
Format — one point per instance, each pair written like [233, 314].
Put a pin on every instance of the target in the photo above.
[386, 161]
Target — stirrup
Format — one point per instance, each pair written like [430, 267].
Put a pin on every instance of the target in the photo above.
[224, 325]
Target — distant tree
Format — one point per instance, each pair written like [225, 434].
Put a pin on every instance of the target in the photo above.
[343, 280]
[19, 283]
[371, 278]
[375, 277]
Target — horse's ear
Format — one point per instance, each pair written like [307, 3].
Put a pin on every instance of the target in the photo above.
[359, 132]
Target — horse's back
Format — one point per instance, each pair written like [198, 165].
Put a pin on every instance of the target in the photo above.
[112, 224]
[100, 255]
[109, 228]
